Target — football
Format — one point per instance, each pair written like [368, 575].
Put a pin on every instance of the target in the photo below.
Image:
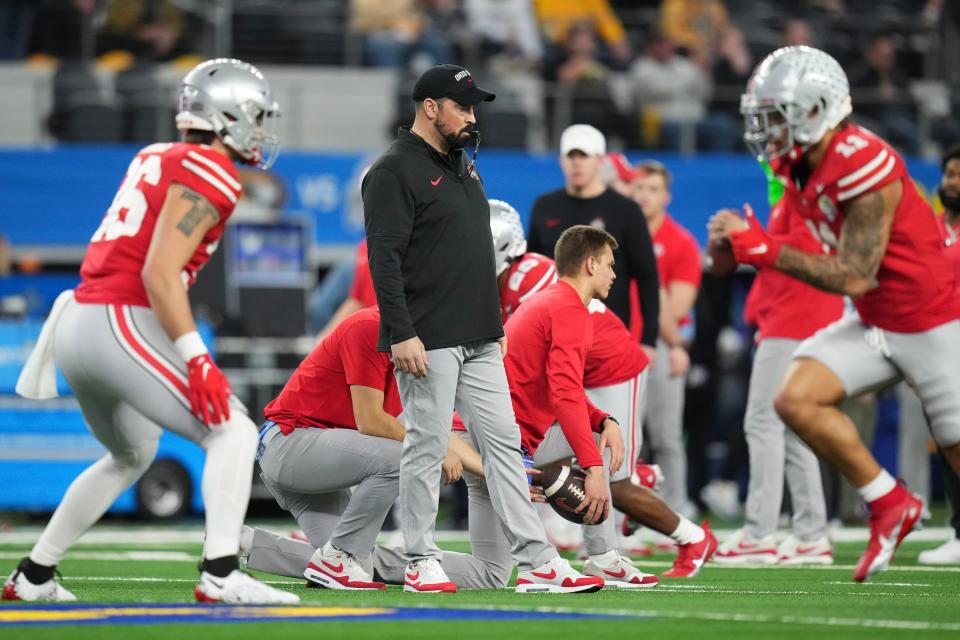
[563, 489]
[722, 262]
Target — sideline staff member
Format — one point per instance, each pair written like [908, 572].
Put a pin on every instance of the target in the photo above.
[431, 258]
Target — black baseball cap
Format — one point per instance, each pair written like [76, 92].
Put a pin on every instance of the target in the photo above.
[450, 81]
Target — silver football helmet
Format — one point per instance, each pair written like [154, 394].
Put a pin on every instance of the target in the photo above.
[793, 97]
[232, 99]
[509, 242]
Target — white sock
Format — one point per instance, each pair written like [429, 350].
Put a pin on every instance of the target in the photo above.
[231, 448]
[878, 487]
[687, 532]
[88, 498]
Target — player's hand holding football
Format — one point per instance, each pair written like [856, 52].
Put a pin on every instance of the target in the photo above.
[209, 390]
[611, 438]
[411, 357]
[596, 503]
[753, 245]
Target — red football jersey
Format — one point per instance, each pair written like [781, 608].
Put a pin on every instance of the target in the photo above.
[678, 260]
[951, 244]
[110, 272]
[781, 306]
[916, 283]
[548, 338]
[614, 356]
[362, 288]
[318, 392]
[526, 276]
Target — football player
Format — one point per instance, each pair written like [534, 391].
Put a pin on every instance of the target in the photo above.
[127, 343]
[884, 250]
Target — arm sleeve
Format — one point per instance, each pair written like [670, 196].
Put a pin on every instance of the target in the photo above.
[388, 212]
[565, 379]
[597, 416]
[642, 267]
[362, 364]
[534, 243]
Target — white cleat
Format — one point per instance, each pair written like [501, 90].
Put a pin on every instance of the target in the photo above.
[427, 576]
[239, 588]
[619, 572]
[336, 569]
[794, 551]
[556, 576]
[742, 548]
[18, 587]
[947, 553]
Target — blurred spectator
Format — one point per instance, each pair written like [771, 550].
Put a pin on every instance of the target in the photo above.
[507, 28]
[58, 28]
[879, 90]
[558, 17]
[694, 24]
[582, 90]
[796, 32]
[393, 32]
[672, 93]
[732, 68]
[148, 29]
[16, 21]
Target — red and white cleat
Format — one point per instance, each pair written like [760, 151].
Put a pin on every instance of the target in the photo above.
[647, 475]
[794, 551]
[691, 557]
[17, 587]
[743, 548]
[619, 572]
[239, 588]
[427, 576]
[336, 569]
[556, 576]
[888, 528]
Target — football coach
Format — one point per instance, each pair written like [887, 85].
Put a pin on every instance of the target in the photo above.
[431, 258]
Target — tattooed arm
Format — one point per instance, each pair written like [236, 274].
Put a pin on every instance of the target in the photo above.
[863, 242]
[183, 221]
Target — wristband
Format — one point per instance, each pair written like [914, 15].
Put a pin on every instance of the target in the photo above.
[189, 346]
[612, 419]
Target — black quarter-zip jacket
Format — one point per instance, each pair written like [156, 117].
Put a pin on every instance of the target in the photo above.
[430, 247]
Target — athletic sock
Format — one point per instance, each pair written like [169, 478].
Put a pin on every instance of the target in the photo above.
[35, 573]
[881, 491]
[226, 483]
[687, 532]
[220, 567]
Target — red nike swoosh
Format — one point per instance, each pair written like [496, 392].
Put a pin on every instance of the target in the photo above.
[552, 222]
[545, 576]
[413, 576]
[616, 574]
[805, 549]
[437, 181]
[747, 546]
[336, 568]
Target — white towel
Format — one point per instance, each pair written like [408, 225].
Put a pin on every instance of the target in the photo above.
[38, 380]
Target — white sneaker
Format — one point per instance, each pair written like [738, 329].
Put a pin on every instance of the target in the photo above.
[556, 576]
[561, 533]
[427, 576]
[18, 587]
[723, 498]
[794, 551]
[742, 548]
[947, 553]
[336, 569]
[239, 588]
[618, 571]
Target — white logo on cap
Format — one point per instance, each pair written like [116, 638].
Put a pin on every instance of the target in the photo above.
[461, 75]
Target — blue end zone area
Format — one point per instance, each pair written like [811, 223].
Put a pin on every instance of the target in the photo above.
[92, 614]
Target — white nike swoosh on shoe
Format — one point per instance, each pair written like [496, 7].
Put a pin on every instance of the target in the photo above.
[758, 250]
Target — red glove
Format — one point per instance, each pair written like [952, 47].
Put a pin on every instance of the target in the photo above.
[752, 245]
[209, 390]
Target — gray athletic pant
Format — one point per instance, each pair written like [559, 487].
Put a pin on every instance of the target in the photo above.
[772, 448]
[313, 462]
[488, 566]
[470, 378]
[913, 456]
[664, 427]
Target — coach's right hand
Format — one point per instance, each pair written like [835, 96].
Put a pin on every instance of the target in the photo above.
[597, 501]
[209, 390]
[410, 356]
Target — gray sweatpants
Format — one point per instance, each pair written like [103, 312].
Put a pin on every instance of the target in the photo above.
[913, 455]
[774, 449]
[488, 566]
[470, 378]
[664, 427]
[310, 471]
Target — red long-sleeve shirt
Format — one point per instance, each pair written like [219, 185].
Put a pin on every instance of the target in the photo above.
[548, 338]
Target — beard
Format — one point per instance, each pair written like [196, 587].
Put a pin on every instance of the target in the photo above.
[950, 199]
[455, 139]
